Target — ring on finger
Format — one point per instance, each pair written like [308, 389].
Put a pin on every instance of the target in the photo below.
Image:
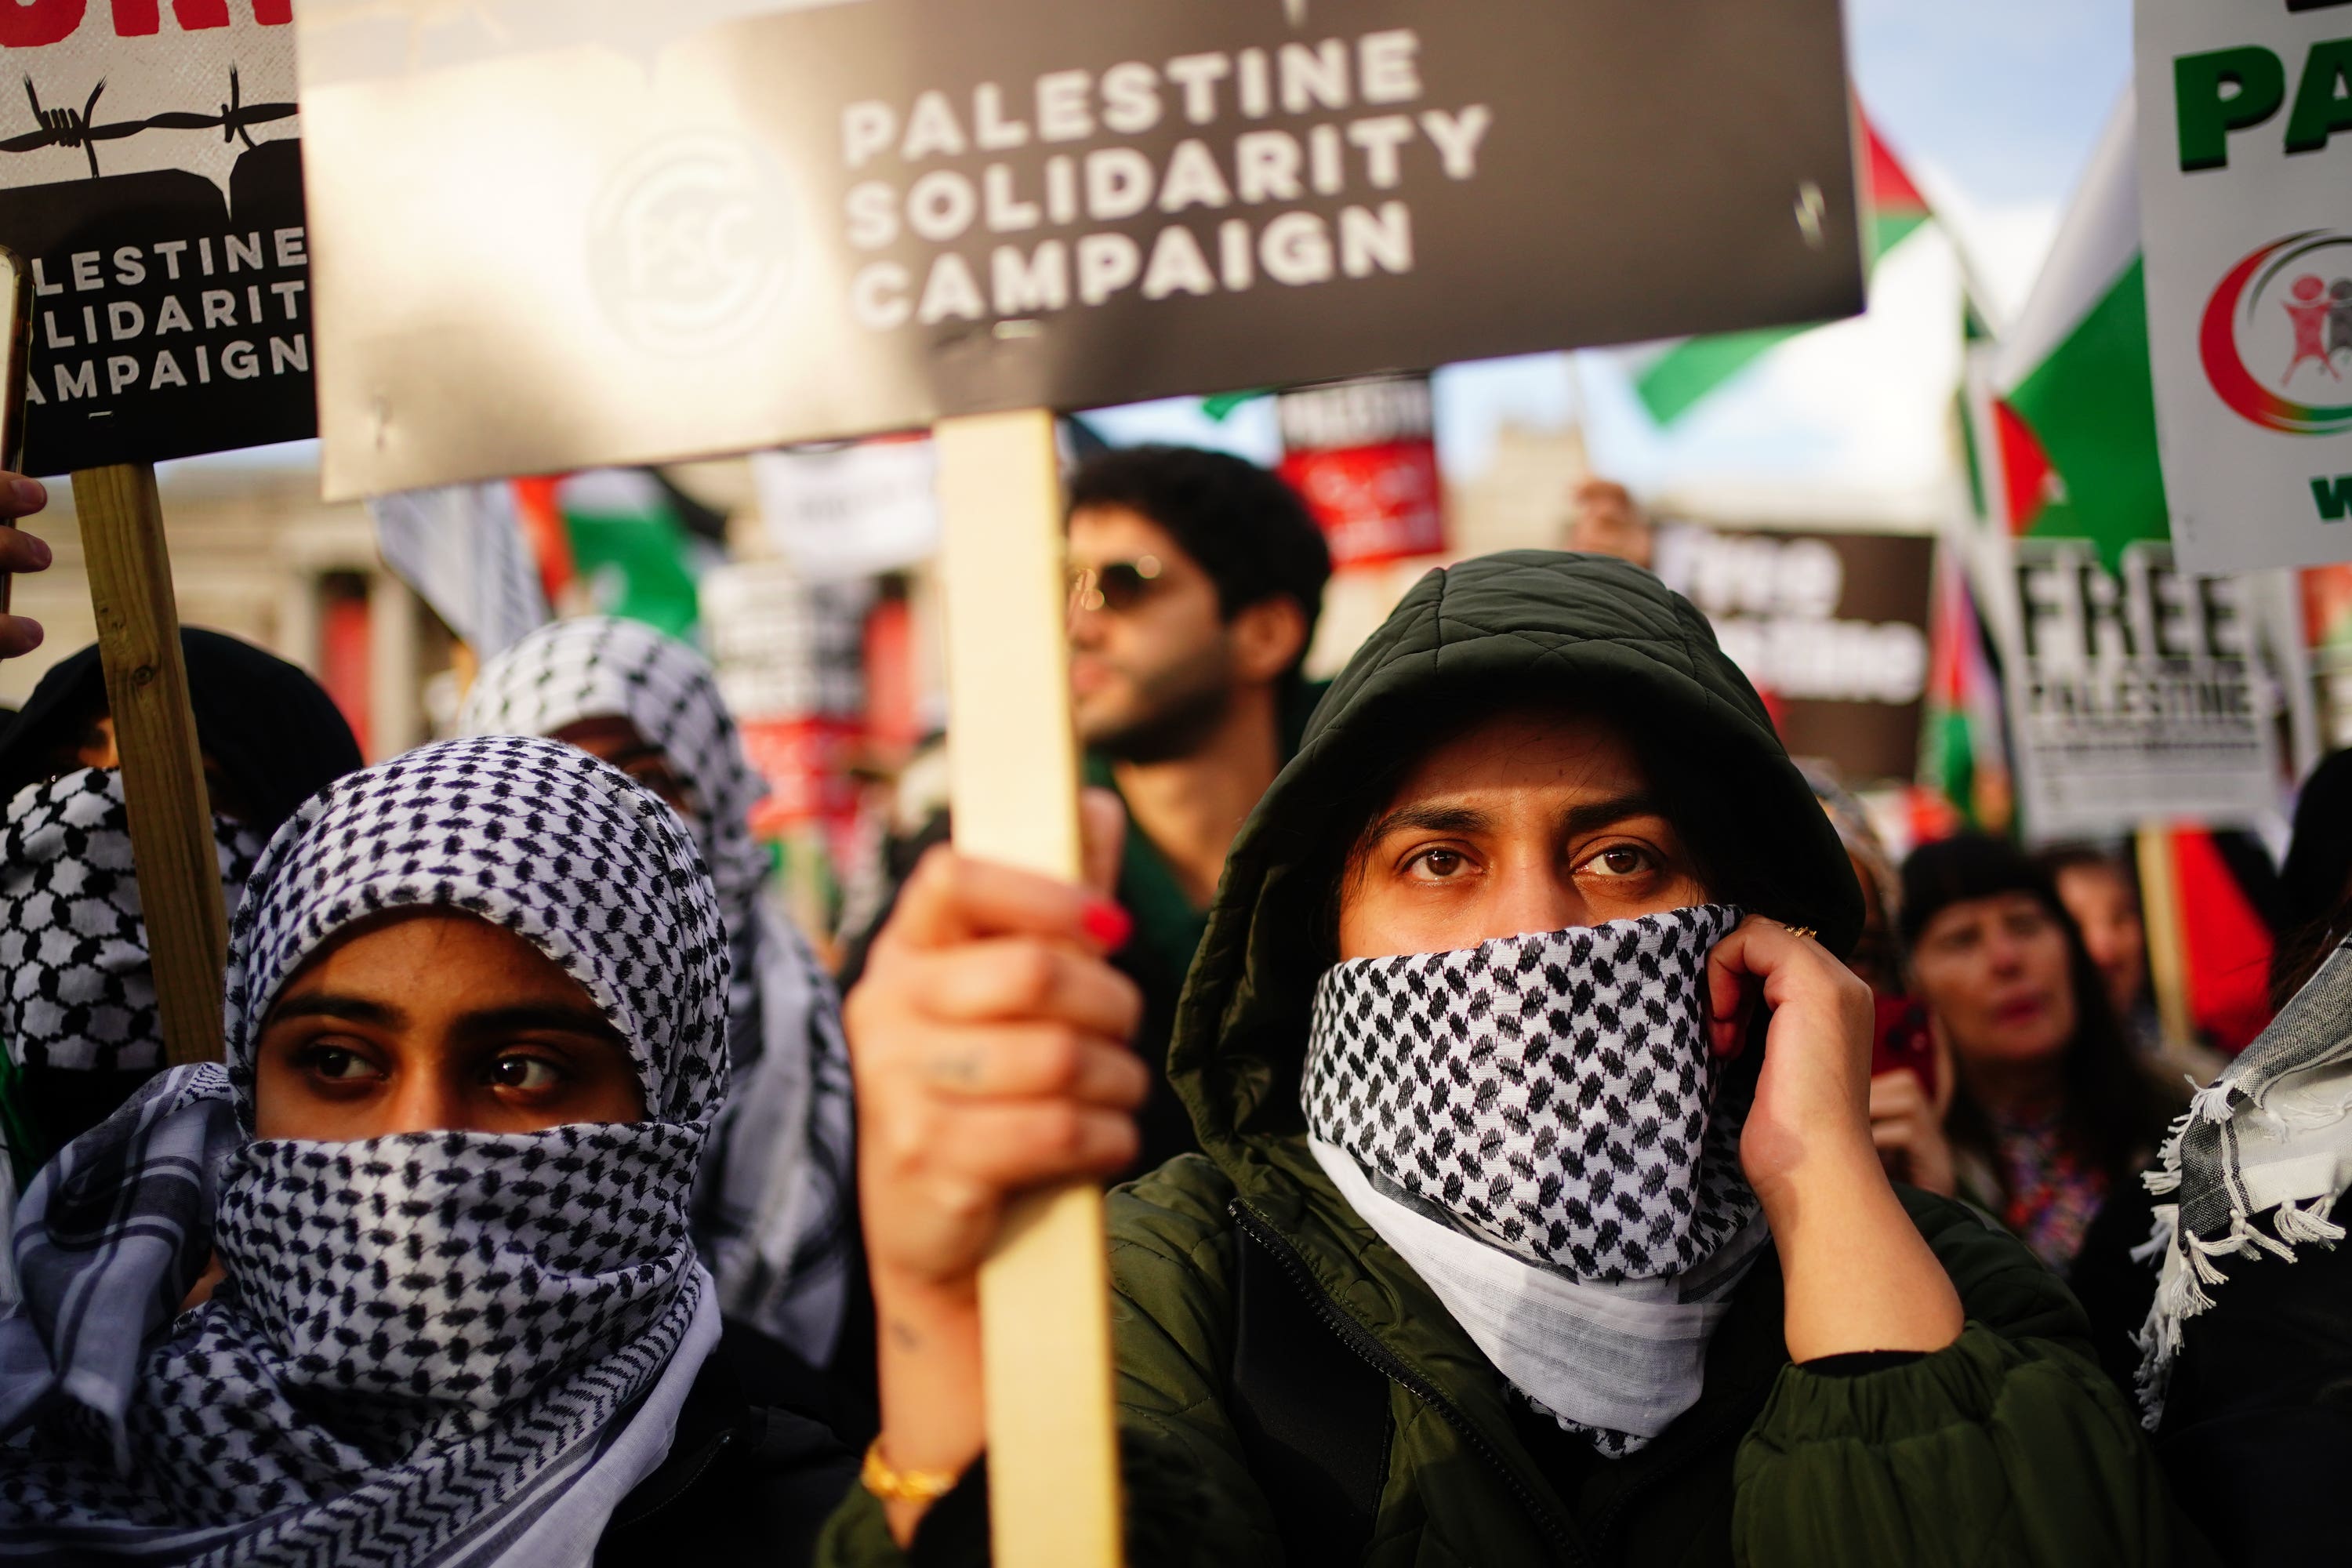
[1800, 932]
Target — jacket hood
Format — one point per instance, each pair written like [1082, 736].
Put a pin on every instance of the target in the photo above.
[1526, 625]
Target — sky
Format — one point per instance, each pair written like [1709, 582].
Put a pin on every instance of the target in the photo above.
[1994, 107]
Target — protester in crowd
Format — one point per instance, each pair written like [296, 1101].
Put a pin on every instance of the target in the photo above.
[1197, 581]
[774, 1215]
[1429, 1287]
[19, 552]
[1911, 1076]
[2316, 883]
[2246, 1364]
[1877, 957]
[2053, 1115]
[2102, 894]
[475, 1035]
[1605, 520]
[77, 997]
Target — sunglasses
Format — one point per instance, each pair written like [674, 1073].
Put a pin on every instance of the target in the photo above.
[1115, 586]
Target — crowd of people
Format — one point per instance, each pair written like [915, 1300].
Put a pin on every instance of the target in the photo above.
[1546, 1123]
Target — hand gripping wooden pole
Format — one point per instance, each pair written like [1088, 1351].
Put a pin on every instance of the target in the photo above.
[162, 769]
[1013, 758]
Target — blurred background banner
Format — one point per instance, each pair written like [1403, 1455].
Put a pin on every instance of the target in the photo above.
[150, 177]
[1831, 627]
[2245, 175]
[860, 217]
[462, 548]
[2149, 693]
[852, 510]
[1364, 455]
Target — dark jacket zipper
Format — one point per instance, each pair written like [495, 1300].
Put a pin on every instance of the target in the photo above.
[1357, 1338]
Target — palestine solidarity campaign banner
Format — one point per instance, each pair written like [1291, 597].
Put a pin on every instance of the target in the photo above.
[2245, 169]
[150, 179]
[641, 230]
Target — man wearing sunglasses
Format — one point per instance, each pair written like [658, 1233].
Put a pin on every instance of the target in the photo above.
[1196, 581]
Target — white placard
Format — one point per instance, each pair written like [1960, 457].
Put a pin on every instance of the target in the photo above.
[2148, 694]
[851, 512]
[2245, 164]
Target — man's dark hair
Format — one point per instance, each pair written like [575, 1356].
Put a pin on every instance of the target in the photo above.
[1249, 529]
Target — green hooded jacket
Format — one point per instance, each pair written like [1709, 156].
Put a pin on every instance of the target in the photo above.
[2009, 1446]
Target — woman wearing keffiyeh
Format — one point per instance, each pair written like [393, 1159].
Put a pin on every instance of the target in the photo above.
[772, 1214]
[1539, 1218]
[429, 1222]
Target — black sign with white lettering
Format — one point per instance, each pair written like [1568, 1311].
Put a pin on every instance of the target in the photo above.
[1831, 627]
[705, 230]
[150, 179]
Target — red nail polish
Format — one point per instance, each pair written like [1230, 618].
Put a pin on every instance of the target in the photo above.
[1110, 925]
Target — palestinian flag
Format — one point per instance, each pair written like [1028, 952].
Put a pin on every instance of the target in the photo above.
[2075, 407]
[2228, 894]
[1682, 374]
[1963, 755]
[631, 547]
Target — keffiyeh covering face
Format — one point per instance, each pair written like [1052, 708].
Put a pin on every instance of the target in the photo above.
[475, 1404]
[1551, 1098]
[2272, 1135]
[75, 992]
[774, 1214]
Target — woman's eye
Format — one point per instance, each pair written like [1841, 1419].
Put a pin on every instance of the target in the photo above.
[527, 1074]
[338, 1065]
[1439, 864]
[1625, 860]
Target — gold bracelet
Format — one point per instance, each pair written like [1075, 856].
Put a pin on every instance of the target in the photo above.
[903, 1486]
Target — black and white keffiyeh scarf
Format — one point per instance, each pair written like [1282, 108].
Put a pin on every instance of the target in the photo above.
[1534, 1125]
[76, 991]
[2272, 1136]
[428, 1348]
[774, 1214]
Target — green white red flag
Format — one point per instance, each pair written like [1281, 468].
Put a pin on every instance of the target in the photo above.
[2074, 409]
[1671, 383]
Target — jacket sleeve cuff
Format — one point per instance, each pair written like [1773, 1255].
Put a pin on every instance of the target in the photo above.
[1960, 1383]
[954, 1534]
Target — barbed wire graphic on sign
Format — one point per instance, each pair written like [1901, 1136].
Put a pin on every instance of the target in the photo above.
[71, 127]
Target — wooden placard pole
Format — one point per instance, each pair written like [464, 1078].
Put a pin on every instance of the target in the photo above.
[1013, 758]
[129, 570]
[2168, 932]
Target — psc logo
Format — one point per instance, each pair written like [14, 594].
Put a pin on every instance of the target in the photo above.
[2277, 335]
[691, 243]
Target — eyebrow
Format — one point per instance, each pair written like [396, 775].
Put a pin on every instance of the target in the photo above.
[326, 1005]
[585, 1021]
[1603, 813]
[1585, 818]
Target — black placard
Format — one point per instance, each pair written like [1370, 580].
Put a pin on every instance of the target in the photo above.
[861, 217]
[167, 321]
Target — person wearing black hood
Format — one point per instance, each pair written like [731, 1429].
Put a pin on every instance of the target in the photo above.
[2316, 883]
[76, 1000]
[1537, 1217]
[2052, 1114]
